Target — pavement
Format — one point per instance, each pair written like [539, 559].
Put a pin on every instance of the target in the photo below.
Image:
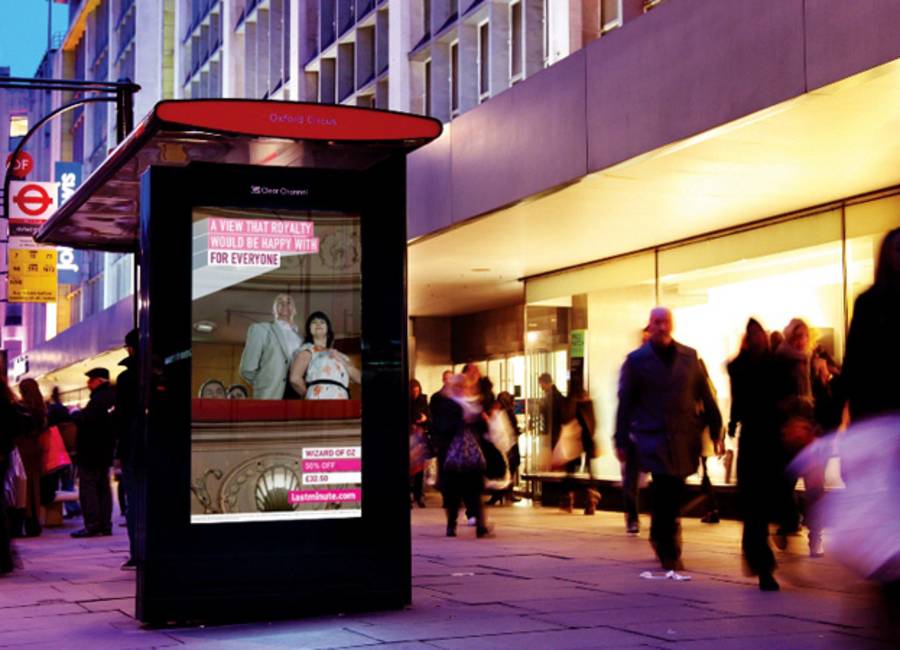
[545, 580]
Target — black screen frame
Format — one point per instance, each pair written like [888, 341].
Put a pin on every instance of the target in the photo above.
[267, 570]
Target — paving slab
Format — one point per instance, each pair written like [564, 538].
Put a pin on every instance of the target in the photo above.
[302, 634]
[798, 641]
[705, 627]
[546, 580]
[572, 639]
[625, 616]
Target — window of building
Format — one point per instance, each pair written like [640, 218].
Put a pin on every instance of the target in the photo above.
[611, 14]
[582, 323]
[516, 42]
[484, 76]
[454, 78]
[18, 125]
[427, 106]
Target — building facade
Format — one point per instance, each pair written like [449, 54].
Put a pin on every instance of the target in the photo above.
[437, 57]
[729, 159]
[725, 159]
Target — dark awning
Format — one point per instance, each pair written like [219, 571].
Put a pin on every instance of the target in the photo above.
[104, 212]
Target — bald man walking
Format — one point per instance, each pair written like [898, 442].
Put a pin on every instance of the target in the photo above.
[665, 402]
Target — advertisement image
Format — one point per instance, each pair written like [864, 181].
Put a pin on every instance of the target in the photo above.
[275, 366]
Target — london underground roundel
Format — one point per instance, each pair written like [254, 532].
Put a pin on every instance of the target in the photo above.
[32, 199]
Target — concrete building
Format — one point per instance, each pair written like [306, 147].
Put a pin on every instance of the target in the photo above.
[436, 57]
[728, 159]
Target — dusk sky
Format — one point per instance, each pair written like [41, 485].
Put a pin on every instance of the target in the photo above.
[23, 33]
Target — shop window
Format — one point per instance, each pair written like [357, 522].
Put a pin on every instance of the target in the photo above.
[774, 273]
[866, 225]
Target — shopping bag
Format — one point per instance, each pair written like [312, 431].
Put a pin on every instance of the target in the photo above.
[53, 450]
[464, 453]
[569, 446]
[797, 433]
[418, 450]
[16, 482]
[431, 472]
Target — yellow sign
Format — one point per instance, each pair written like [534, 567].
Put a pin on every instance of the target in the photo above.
[32, 275]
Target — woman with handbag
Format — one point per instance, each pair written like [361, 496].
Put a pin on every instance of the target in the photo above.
[418, 442]
[462, 470]
[29, 446]
[760, 469]
[795, 411]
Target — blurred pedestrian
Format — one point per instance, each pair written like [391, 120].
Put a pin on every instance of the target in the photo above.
[14, 422]
[776, 338]
[505, 408]
[440, 408]
[418, 440]
[95, 446]
[708, 450]
[495, 437]
[126, 422]
[863, 518]
[58, 416]
[660, 385]
[870, 375]
[555, 413]
[827, 390]
[462, 472]
[792, 385]
[29, 446]
[631, 472]
[583, 412]
[759, 464]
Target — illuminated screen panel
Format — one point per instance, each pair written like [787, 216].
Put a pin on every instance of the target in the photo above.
[275, 366]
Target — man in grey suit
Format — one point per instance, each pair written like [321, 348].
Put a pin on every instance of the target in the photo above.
[665, 402]
[270, 349]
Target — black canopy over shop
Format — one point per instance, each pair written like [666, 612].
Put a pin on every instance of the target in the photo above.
[271, 453]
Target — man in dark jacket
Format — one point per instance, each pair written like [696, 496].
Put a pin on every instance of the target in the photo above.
[94, 445]
[551, 408]
[664, 404]
[126, 430]
[440, 432]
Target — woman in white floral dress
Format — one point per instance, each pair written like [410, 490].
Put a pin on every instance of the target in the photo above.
[318, 370]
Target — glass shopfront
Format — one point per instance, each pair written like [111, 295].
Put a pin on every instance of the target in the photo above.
[582, 323]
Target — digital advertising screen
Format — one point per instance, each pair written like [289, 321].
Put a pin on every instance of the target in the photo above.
[275, 366]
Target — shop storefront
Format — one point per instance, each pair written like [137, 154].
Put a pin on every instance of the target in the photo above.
[583, 321]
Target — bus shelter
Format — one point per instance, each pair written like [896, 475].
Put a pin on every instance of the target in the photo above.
[271, 447]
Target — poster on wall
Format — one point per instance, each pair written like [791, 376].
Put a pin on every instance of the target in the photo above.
[275, 366]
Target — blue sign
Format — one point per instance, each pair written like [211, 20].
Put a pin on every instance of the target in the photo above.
[70, 262]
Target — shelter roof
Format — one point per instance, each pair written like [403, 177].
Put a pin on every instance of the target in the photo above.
[104, 212]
